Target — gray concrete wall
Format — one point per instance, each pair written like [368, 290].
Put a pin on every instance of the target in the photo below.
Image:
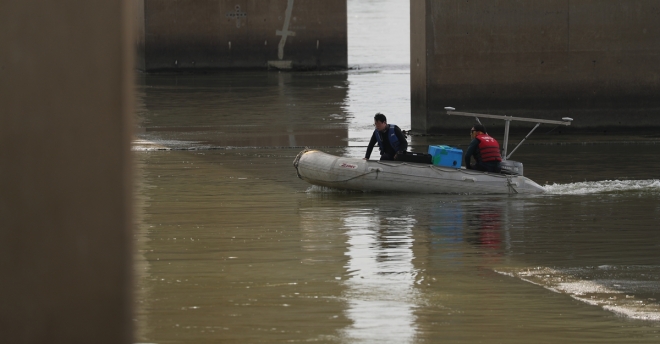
[66, 107]
[222, 34]
[593, 60]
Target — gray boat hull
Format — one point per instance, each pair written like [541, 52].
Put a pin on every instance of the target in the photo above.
[319, 168]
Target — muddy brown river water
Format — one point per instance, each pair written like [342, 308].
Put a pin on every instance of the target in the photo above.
[231, 247]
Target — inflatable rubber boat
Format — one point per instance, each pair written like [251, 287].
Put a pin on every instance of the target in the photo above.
[319, 168]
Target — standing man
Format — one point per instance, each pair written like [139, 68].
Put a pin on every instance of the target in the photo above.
[389, 137]
[485, 149]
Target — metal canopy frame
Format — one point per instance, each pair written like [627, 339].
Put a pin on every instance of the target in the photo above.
[507, 119]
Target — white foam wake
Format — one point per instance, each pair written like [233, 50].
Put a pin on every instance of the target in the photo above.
[625, 290]
[144, 145]
[581, 188]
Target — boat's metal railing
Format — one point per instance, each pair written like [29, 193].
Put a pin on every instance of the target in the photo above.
[507, 119]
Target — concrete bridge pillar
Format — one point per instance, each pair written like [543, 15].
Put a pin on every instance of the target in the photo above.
[66, 190]
[242, 34]
[593, 60]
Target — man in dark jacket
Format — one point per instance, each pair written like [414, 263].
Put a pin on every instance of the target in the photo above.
[389, 137]
[484, 149]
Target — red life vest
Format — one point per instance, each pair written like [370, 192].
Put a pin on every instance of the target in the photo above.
[489, 149]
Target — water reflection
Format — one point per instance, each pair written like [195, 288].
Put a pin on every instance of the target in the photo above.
[485, 225]
[243, 109]
[381, 277]
[482, 224]
[487, 229]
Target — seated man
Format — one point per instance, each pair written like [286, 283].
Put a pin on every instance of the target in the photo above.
[389, 137]
[485, 149]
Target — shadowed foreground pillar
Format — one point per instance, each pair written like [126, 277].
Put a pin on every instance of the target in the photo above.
[66, 73]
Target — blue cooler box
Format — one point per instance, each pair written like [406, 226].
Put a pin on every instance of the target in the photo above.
[446, 156]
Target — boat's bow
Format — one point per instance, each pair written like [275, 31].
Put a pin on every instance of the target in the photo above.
[324, 169]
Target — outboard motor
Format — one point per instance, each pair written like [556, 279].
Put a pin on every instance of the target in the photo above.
[512, 167]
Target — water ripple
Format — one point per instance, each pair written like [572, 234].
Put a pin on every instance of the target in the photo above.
[625, 290]
[605, 186]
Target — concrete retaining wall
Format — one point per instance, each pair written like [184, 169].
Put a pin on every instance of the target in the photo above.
[222, 34]
[593, 60]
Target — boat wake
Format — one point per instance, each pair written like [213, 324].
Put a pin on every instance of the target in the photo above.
[144, 145]
[628, 291]
[605, 186]
[581, 188]
[316, 189]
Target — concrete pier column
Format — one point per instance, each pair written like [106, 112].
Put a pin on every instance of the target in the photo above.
[66, 109]
[595, 61]
[244, 34]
